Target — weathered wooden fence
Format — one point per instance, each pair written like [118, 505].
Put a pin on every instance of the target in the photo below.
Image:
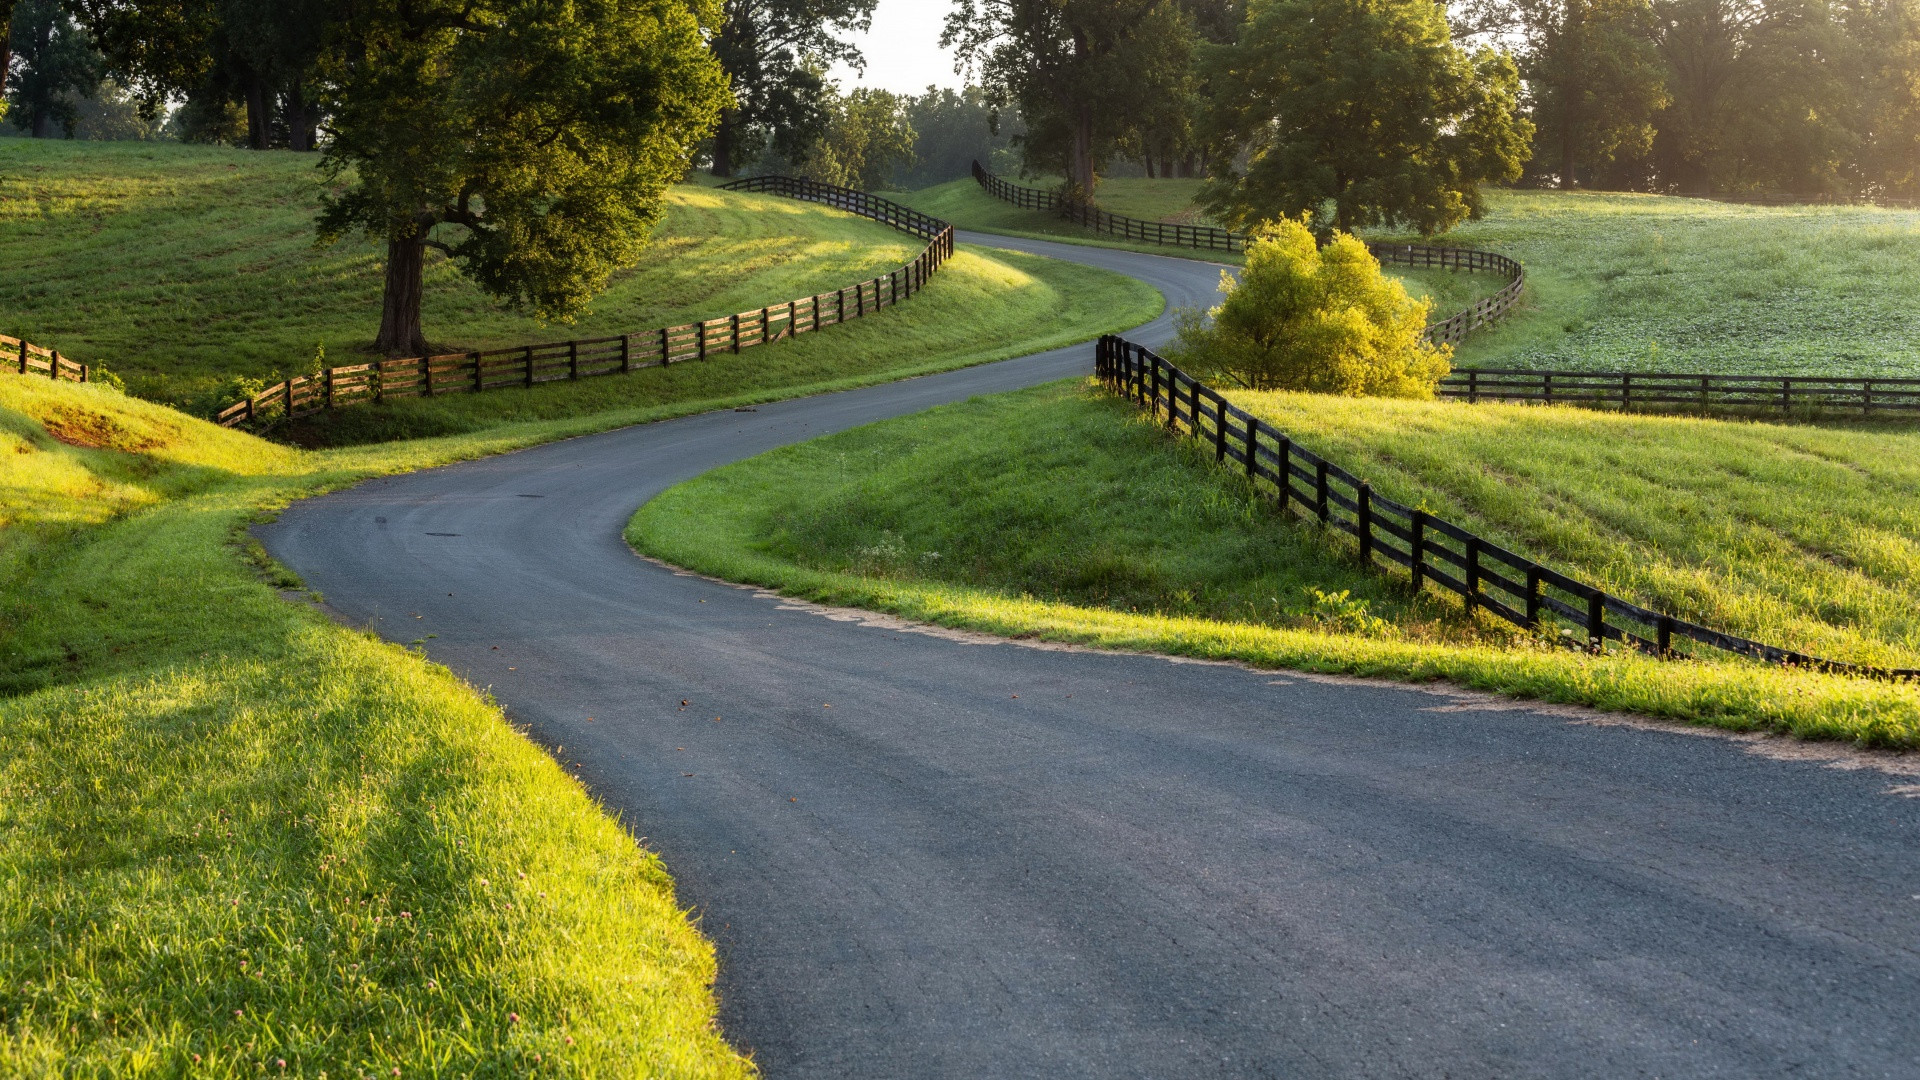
[1447, 331]
[1629, 390]
[30, 359]
[1489, 577]
[531, 365]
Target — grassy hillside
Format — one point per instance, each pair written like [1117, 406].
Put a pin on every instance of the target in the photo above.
[1091, 527]
[986, 305]
[1646, 283]
[238, 840]
[182, 267]
[1634, 282]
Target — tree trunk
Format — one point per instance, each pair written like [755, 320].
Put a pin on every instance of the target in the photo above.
[43, 124]
[299, 118]
[400, 332]
[1147, 157]
[1080, 163]
[256, 95]
[723, 137]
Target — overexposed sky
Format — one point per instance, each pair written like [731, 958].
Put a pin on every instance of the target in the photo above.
[903, 49]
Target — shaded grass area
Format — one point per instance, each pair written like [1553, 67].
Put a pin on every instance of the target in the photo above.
[233, 834]
[1036, 304]
[184, 267]
[1096, 530]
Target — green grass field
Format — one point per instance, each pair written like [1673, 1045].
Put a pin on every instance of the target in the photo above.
[1646, 283]
[1036, 304]
[233, 833]
[1630, 282]
[1087, 525]
[182, 267]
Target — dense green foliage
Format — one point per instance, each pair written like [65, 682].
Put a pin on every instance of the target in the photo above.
[1085, 74]
[1312, 317]
[1361, 114]
[239, 840]
[58, 67]
[1094, 529]
[537, 139]
[774, 53]
[1813, 97]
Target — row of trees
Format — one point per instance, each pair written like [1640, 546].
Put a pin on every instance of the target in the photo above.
[1708, 96]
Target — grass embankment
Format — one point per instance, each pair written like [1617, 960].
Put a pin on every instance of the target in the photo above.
[185, 267]
[1093, 529]
[233, 834]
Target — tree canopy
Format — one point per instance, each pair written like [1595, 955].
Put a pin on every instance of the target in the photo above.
[1087, 75]
[58, 64]
[1361, 113]
[777, 52]
[527, 141]
[1324, 319]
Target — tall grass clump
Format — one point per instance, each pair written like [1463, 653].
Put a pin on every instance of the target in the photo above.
[1320, 319]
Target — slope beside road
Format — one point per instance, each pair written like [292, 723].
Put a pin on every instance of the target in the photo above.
[928, 854]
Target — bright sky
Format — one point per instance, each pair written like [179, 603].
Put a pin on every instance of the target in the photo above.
[903, 49]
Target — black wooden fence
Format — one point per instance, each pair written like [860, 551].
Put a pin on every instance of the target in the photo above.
[1629, 390]
[1488, 576]
[1447, 331]
[530, 365]
[27, 358]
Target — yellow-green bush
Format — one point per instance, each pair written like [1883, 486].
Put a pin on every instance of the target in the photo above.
[1320, 319]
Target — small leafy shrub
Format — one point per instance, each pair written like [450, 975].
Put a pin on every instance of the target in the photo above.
[1319, 319]
[1343, 612]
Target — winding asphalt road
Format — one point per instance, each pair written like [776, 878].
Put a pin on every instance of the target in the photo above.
[923, 855]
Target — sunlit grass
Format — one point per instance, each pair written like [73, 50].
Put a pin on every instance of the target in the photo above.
[182, 267]
[1088, 524]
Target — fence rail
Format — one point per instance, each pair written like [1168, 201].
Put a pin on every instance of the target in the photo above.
[1488, 576]
[531, 365]
[29, 359]
[1635, 389]
[1447, 331]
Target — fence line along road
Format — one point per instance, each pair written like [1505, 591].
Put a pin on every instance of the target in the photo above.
[1488, 576]
[30, 359]
[531, 365]
[1447, 331]
[1627, 390]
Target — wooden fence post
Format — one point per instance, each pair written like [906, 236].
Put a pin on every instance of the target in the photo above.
[1417, 549]
[1219, 428]
[23, 359]
[1320, 491]
[1364, 512]
[526, 358]
[1473, 572]
[53, 366]
[666, 347]
[1253, 453]
[626, 352]
[1283, 460]
[1533, 596]
[1596, 622]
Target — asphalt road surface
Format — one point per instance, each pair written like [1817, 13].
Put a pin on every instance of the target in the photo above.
[923, 855]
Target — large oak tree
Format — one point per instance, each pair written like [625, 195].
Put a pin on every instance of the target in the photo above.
[1361, 111]
[1087, 75]
[530, 141]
